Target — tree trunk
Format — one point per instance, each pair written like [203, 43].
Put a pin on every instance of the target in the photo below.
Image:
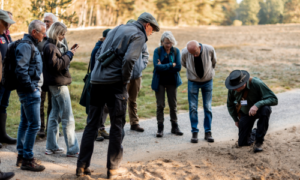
[98, 15]
[91, 14]
[85, 15]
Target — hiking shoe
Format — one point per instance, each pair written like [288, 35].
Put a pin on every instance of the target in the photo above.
[257, 147]
[32, 165]
[137, 127]
[208, 137]
[83, 171]
[160, 131]
[73, 155]
[100, 138]
[7, 175]
[113, 173]
[175, 129]
[20, 160]
[103, 133]
[194, 137]
[57, 151]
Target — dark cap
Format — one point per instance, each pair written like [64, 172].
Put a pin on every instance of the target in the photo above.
[5, 17]
[147, 17]
[105, 32]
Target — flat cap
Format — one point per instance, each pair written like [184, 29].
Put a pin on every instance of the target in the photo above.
[5, 17]
[147, 17]
[105, 32]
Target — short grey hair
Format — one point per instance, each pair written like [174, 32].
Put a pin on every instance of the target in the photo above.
[53, 17]
[55, 30]
[169, 36]
[35, 24]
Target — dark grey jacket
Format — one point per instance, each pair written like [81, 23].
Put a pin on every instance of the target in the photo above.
[141, 64]
[129, 40]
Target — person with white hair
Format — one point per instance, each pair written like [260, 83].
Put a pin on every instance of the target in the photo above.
[29, 67]
[200, 62]
[166, 78]
[49, 19]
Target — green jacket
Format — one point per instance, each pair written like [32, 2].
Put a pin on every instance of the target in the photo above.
[259, 95]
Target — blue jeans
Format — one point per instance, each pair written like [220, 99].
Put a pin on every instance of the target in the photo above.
[193, 93]
[30, 122]
[4, 99]
[61, 107]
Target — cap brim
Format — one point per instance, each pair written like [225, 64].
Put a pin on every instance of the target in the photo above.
[155, 27]
[245, 80]
[9, 21]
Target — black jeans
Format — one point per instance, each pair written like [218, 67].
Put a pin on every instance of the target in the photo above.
[172, 101]
[246, 124]
[115, 97]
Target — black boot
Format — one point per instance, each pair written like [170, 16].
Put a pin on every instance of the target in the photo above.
[175, 129]
[4, 138]
[6, 176]
[194, 138]
[160, 131]
[83, 171]
[257, 147]
[208, 137]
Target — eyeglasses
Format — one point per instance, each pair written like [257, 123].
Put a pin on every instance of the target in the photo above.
[42, 33]
[47, 21]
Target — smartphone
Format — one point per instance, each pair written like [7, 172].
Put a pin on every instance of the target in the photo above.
[74, 46]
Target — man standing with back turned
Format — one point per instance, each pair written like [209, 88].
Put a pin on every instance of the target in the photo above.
[109, 82]
[249, 99]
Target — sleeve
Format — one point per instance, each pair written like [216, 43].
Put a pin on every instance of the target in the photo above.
[132, 54]
[177, 68]
[58, 63]
[93, 58]
[0, 67]
[183, 59]
[231, 106]
[160, 67]
[145, 56]
[23, 58]
[268, 98]
[214, 58]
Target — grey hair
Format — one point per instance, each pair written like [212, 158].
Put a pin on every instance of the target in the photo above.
[54, 18]
[169, 36]
[35, 24]
[55, 30]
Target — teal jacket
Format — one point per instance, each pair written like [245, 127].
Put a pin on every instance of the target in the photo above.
[166, 67]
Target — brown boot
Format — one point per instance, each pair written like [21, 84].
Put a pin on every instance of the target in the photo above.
[113, 173]
[32, 165]
[137, 127]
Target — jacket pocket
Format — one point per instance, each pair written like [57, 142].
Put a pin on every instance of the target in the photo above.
[121, 104]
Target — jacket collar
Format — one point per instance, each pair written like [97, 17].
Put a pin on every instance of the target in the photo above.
[141, 27]
[164, 52]
[52, 41]
[30, 38]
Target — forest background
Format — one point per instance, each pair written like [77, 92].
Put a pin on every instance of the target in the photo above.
[86, 13]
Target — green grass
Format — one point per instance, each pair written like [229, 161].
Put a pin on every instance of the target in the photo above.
[279, 78]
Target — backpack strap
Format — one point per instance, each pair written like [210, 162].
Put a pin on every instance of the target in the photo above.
[244, 97]
[31, 44]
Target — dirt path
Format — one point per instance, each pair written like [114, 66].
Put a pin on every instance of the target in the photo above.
[174, 157]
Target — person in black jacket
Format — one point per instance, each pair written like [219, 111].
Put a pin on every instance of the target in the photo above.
[57, 77]
[102, 134]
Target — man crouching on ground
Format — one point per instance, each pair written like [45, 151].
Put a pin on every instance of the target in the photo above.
[112, 71]
[249, 99]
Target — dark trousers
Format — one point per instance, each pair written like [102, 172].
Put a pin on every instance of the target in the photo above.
[42, 114]
[115, 97]
[246, 124]
[172, 101]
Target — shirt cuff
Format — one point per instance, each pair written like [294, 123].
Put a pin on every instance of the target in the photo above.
[70, 54]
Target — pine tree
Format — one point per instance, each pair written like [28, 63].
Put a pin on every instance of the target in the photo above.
[57, 7]
[247, 12]
[271, 12]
